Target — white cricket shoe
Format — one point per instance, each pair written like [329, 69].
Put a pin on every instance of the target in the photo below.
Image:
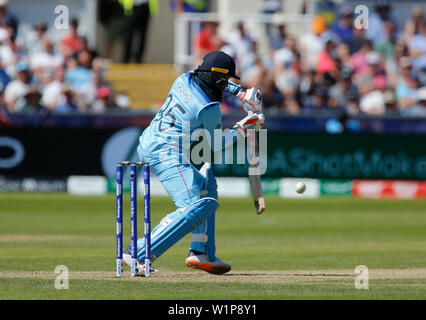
[201, 261]
[140, 269]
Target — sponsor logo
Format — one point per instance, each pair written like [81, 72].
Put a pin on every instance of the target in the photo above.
[17, 155]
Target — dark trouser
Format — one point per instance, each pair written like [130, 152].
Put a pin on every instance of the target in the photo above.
[138, 22]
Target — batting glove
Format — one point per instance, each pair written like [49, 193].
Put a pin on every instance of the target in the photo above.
[251, 99]
[251, 121]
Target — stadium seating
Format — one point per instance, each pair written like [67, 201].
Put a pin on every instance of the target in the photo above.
[146, 85]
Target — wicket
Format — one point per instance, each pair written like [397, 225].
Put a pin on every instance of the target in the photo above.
[133, 217]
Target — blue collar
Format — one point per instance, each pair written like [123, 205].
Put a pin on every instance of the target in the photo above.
[205, 87]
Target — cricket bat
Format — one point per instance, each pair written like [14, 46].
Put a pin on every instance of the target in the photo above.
[254, 176]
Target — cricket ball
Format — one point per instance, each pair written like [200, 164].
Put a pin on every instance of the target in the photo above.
[300, 187]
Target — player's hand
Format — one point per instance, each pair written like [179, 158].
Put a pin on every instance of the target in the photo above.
[252, 100]
[251, 121]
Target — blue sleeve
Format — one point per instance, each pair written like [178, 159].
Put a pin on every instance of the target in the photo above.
[211, 119]
[233, 88]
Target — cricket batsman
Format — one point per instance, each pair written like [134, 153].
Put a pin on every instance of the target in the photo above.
[193, 101]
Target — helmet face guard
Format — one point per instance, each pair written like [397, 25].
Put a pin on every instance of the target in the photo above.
[217, 79]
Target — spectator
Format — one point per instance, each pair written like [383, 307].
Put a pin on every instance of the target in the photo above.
[277, 39]
[272, 97]
[342, 52]
[241, 41]
[250, 63]
[319, 97]
[352, 104]
[80, 76]
[33, 42]
[18, 88]
[228, 49]
[10, 55]
[139, 22]
[262, 78]
[311, 43]
[37, 114]
[6, 19]
[390, 103]
[287, 77]
[122, 100]
[419, 109]
[4, 119]
[422, 76]
[406, 89]
[306, 88]
[413, 25]
[32, 101]
[359, 59]
[344, 94]
[270, 7]
[355, 42]
[326, 63]
[393, 64]
[374, 68]
[373, 102]
[5, 34]
[69, 103]
[206, 40]
[285, 56]
[376, 30]
[86, 47]
[52, 94]
[4, 78]
[104, 101]
[71, 44]
[387, 47]
[417, 48]
[343, 28]
[312, 92]
[45, 59]
[111, 16]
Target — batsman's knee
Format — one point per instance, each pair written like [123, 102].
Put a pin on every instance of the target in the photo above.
[200, 210]
[210, 185]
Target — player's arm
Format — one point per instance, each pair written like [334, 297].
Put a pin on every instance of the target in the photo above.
[252, 101]
[211, 119]
[233, 88]
[251, 98]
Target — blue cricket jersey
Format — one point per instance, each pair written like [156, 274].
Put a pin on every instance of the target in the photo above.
[188, 107]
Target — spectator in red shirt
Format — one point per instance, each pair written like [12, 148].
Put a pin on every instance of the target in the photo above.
[326, 63]
[206, 41]
[71, 43]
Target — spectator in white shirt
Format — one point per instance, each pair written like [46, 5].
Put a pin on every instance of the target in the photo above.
[33, 42]
[17, 89]
[52, 94]
[46, 59]
[311, 44]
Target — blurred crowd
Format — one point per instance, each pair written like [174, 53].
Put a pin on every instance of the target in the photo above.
[39, 75]
[335, 67]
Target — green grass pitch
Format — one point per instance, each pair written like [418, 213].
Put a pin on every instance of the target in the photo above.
[297, 249]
